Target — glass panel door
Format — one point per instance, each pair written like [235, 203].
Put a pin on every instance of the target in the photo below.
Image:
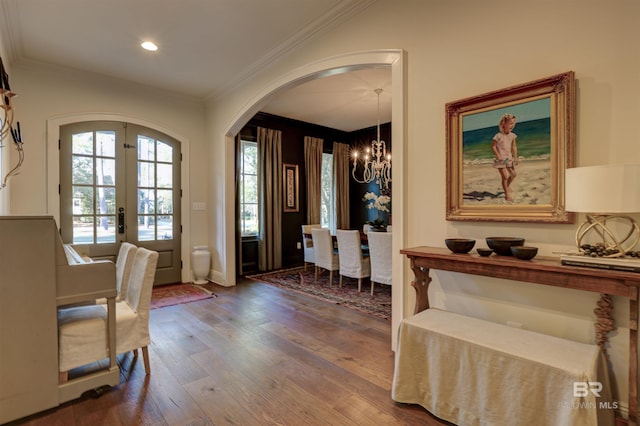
[89, 185]
[157, 194]
[121, 182]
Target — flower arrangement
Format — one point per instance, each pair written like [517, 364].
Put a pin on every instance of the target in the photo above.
[382, 203]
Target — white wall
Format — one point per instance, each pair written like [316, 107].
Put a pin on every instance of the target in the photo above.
[457, 49]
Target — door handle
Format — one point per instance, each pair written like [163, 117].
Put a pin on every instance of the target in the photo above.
[121, 220]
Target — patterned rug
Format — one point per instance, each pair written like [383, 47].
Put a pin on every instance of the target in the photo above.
[176, 294]
[297, 280]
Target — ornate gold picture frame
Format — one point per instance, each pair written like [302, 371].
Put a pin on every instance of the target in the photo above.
[507, 151]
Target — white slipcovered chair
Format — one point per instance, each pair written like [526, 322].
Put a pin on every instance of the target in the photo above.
[82, 331]
[325, 255]
[124, 263]
[352, 263]
[380, 255]
[307, 244]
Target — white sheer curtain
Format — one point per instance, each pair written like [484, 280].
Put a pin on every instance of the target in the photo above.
[340, 186]
[270, 189]
[313, 177]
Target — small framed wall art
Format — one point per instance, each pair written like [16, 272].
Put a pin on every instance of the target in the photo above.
[290, 186]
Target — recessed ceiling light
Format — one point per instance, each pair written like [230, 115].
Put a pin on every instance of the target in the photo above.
[149, 45]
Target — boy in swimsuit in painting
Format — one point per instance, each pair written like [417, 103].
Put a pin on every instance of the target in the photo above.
[506, 152]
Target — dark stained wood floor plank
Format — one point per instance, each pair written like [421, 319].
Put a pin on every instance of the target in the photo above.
[254, 355]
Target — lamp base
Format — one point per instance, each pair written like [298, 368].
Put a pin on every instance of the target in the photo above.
[609, 243]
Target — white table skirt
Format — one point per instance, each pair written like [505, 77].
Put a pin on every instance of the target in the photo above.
[475, 372]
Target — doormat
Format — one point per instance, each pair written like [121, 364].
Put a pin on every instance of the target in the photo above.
[296, 279]
[176, 294]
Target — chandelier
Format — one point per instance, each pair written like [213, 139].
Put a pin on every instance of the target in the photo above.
[376, 163]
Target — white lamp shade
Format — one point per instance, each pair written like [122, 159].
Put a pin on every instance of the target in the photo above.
[603, 189]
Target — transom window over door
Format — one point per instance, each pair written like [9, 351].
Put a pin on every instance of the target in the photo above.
[120, 182]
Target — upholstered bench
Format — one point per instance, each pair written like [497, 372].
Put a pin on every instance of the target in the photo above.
[474, 372]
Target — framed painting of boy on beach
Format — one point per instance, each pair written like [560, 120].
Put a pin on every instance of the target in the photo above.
[507, 151]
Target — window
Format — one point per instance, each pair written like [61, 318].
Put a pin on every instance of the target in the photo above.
[93, 180]
[249, 187]
[326, 184]
[155, 189]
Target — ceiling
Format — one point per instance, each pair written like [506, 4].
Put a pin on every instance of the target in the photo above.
[206, 48]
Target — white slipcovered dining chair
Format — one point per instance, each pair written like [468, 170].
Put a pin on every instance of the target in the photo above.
[82, 330]
[380, 255]
[352, 263]
[326, 256]
[124, 263]
[307, 244]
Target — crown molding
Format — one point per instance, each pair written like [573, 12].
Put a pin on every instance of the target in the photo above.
[344, 11]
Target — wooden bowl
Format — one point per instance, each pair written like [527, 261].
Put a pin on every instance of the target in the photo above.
[502, 245]
[524, 252]
[484, 251]
[460, 245]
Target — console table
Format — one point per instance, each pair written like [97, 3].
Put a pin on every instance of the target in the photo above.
[546, 271]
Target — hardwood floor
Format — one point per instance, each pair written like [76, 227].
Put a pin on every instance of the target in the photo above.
[254, 355]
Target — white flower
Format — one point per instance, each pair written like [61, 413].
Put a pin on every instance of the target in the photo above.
[370, 196]
[380, 203]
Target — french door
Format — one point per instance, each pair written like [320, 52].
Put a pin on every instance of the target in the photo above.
[121, 182]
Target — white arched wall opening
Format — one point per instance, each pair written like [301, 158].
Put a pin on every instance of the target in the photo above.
[53, 170]
[394, 59]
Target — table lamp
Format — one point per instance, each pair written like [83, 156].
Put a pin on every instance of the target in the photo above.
[607, 194]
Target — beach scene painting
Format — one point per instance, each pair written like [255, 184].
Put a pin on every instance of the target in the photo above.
[481, 181]
[507, 152]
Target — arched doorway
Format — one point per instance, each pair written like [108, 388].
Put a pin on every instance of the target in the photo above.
[394, 60]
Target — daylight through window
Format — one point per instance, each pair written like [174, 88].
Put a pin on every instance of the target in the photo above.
[249, 187]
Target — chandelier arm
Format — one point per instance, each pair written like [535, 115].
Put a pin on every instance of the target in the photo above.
[353, 174]
[368, 173]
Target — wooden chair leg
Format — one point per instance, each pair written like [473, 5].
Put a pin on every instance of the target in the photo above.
[63, 377]
[145, 356]
[316, 278]
[372, 287]
[340, 281]
[359, 284]
[135, 353]
[330, 277]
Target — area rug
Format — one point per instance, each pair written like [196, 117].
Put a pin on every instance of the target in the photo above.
[176, 294]
[295, 279]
